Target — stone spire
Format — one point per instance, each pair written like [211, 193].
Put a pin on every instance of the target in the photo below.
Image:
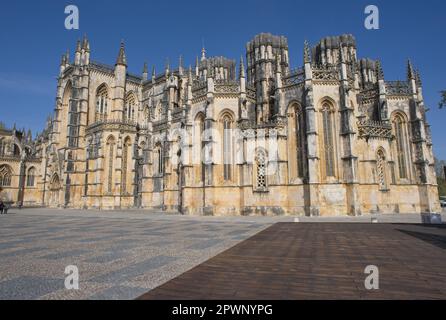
[167, 67]
[418, 78]
[307, 58]
[78, 53]
[122, 60]
[86, 44]
[410, 71]
[242, 68]
[379, 70]
[144, 72]
[180, 65]
[189, 74]
[67, 57]
[196, 66]
[78, 46]
[63, 60]
[153, 74]
[203, 53]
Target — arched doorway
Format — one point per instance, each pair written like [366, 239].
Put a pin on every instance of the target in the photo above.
[55, 187]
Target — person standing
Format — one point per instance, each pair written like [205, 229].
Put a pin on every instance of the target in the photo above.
[2, 207]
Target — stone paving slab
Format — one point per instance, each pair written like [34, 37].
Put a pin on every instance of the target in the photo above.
[120, 255]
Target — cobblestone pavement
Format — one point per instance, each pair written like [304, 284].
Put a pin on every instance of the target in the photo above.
[119, 254]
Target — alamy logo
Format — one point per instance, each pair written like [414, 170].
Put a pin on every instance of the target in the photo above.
[72, 20]
[72, 279]
[372, 20]
[371, 282]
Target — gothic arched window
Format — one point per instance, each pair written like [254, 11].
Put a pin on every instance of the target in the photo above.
[199, 145]
[101, 102]
[129, 107]
[125, 155]
[327, 122]
[111, 151]
[30, 177]
[159, 159]
[301, 136]
[227, 147]
[399, 126]
[381, 169]
[5, 176]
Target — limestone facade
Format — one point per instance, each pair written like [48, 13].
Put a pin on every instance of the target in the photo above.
[331, 137]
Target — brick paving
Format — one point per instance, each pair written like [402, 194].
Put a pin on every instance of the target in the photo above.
[321, 261]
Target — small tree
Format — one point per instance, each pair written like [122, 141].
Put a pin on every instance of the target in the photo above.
[443, 99]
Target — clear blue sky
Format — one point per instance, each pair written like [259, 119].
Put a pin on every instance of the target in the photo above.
[33, 37]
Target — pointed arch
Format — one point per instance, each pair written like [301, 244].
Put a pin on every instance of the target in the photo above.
[400, 132]
[199, 145]
[67, 93]
[55, 184]
[296, 139]
[62, 116]
[328, 137]
[226, 120]
[159, 165]
[102, 102]
[129, 106]
[125, 159]
[30, 177]
[5, 175]
[110, 145]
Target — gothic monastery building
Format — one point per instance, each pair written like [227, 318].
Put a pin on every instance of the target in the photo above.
[331, 137]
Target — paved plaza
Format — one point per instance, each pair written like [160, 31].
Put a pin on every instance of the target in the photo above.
[119, 255]
[125, 254]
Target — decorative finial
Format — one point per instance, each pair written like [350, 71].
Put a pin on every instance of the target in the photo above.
[180, 65]
[306, 52]
[410, 72]
[145, 69]
[85, 44]
[167, 66]
[203, 52]
[78, 46]
[418, 78]
[122, 60]
[379, 70]
[242, 68]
